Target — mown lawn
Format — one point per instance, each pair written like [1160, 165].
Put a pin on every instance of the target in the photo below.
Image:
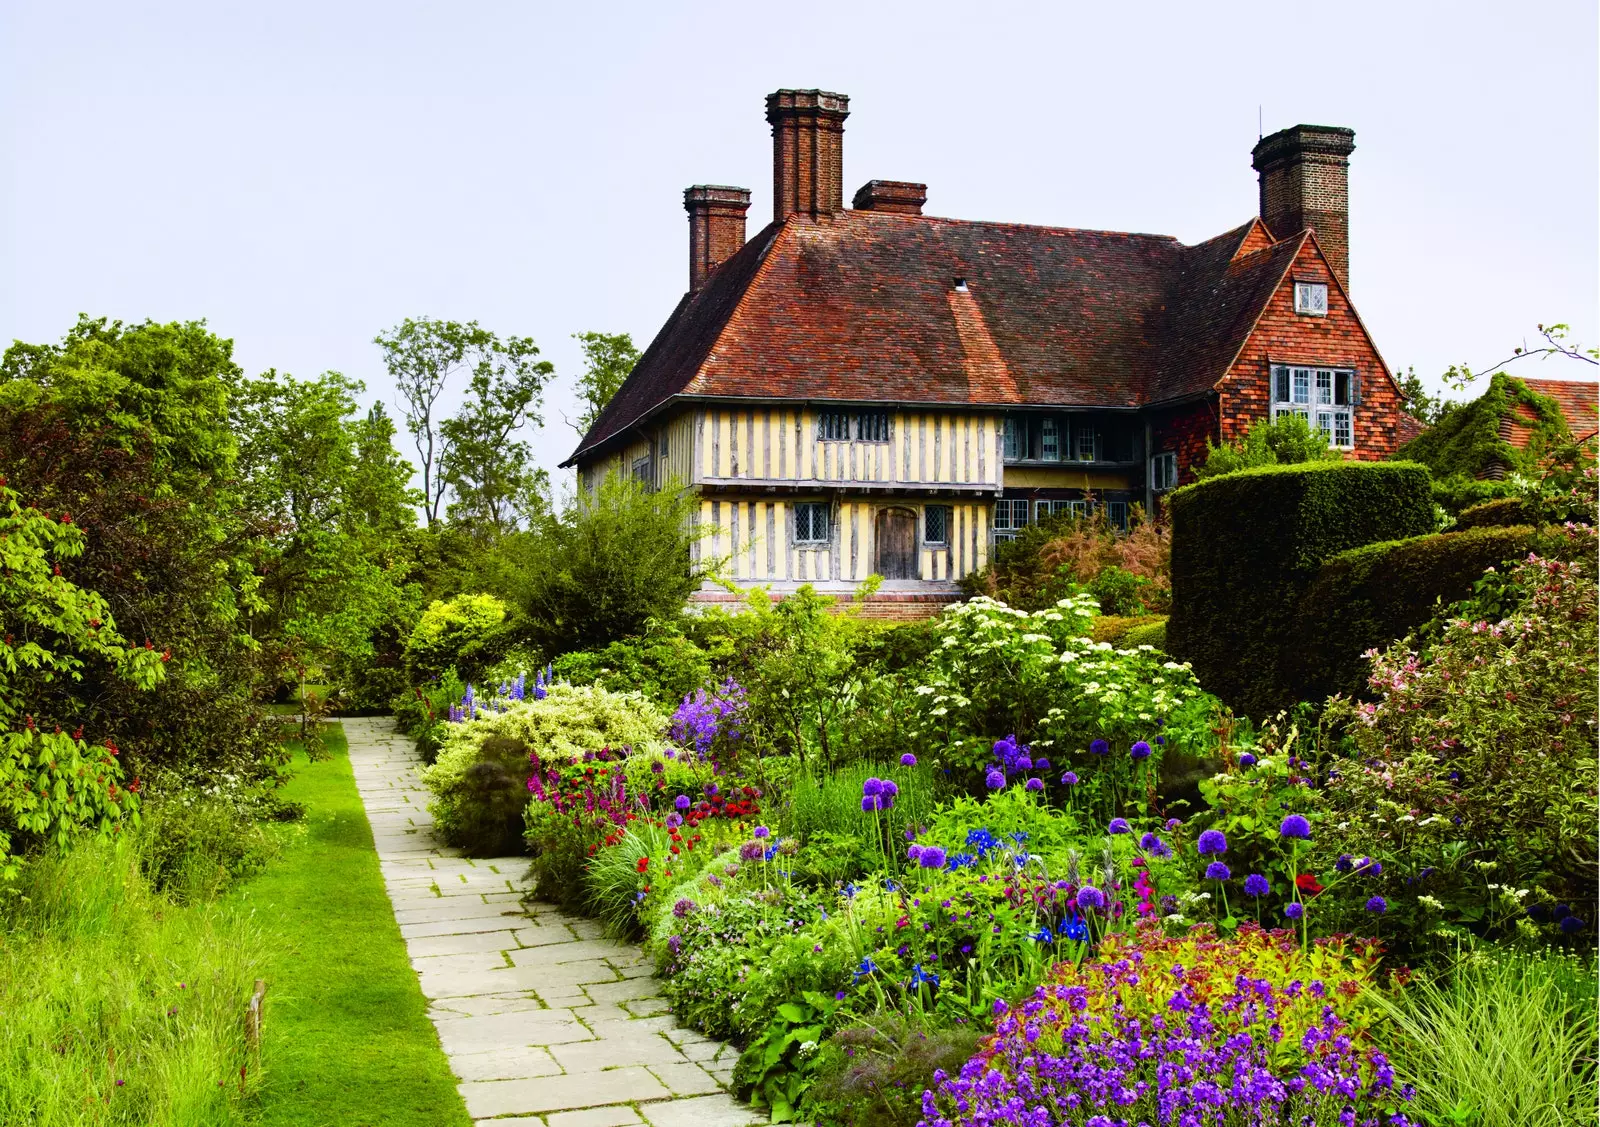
[347, 1041]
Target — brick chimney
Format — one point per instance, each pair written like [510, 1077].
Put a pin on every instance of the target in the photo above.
[1305, 182]
[807, 152]
[716, 227]
[898, 196]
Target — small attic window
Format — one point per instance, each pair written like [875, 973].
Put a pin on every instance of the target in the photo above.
[961, 285]
[1311, 298]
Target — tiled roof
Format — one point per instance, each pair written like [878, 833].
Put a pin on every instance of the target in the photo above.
[1580, 405]
[867, 306]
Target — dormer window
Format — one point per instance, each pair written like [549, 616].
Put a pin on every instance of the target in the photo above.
[1311, 298]
[961, 285]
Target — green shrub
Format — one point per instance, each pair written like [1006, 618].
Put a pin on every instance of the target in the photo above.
[662, 664]
[483, 761]
[448, 628]
[1245, 546]
[1467, 439]
[873, 1074]
[1115, 628]
[1285, 441]
[192, 848]
[1369, 596]
[1498, 513]
[1460, 492]
[1120, 591]
[1152, 633]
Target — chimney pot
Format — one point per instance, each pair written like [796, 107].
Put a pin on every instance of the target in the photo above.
[716, 227]
[901, 197]
[807, 152]
[1305, 182]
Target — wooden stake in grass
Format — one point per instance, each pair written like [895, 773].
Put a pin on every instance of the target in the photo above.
[252, 1017]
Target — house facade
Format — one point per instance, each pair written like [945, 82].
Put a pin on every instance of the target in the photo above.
[872, 390]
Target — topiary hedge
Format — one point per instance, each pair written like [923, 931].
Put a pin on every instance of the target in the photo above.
[1369, 596]
[1501, 513]
[1246, 545]
[1153, 633]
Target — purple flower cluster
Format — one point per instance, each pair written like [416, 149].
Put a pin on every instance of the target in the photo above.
[878, 794]
[1066, 1058]
[703, 717]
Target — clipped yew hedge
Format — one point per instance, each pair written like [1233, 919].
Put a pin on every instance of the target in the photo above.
[1369, 596]
[1247, 545]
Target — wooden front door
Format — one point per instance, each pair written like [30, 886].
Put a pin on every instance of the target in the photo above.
[896, 542]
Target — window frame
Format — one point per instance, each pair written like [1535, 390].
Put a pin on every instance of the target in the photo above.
[1117, 515]
[1304, 295]
[880, 423]
[1168, 460]
[1345, 383]
[946, 517]
[1003, 531]
[643, 471]
[833, 426]
[813, 510]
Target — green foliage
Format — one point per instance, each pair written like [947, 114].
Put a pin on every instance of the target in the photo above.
[1420, 403]
[1285, 441]
[873, 1073]
[1466, 441]
[611, 879]
[1120, 591]
[662, 663]
[615, 559]
[491, 473]
[830, 804]
[1477, 762]
[1245, 547]
[1058, 556]
[449, 628]
[1369, 596]
[1499, 513]
[1498, 1042]
[608, 358]
[483, 763]
[422, 355]
[1152, 634]
[777, 1068]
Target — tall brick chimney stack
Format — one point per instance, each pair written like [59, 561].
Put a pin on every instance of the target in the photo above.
[716, 227]
[1305, 182]
[807, 152]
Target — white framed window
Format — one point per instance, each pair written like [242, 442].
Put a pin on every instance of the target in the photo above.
[1083, 446]
[1163, 471]
[1016, 437]
[833, 426]
[936, 526]
[1117, 515]
[643, 472]
[1311, 298]
[872, 426]
[1324, 397]
[1010, 517]
[1049, 439]
[811, 522]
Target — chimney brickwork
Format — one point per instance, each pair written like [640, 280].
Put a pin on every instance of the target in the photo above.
[1305, 182]
[807, 152]
[716, 227]
[901, 197]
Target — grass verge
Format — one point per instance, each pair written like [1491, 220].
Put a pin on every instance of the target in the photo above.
[347, 1039]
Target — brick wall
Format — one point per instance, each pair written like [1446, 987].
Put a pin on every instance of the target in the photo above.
[1337, 340]
[1184, 429]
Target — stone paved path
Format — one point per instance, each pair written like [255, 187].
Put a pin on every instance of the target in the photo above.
[547, 1023]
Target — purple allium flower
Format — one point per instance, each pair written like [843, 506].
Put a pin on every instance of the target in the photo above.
[1089, 898]
[761, 831]
[1140, 750]
[1041, 764]
[1561, 911]
[1100, 747]
[1570, 925]
[674, 821]
[1294, 910]
[1295, 826]
[1212, 842]
[868, 804]
[1119, 826]
[1217, 871]
[995, 779]
[1377, 905]
[681, 802]
[908, 760]
[1069, 778]
[1344, 863]
[657, 767]
[1256, 885]
[1367, 867]
[890, 788]
[913, 852]
[1172, 824]
[1247, 760]
[710, 789]
[1024, 763]
[873, 787]
[751, 851]
[1034, 784]
[1161, 741]
[932, 857]
[683, 908]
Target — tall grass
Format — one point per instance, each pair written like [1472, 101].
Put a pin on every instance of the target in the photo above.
[1507, 1040]
[118, 1003]
[832, 803]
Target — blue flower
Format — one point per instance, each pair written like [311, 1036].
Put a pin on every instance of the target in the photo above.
[1217, 871]
[1043, 935]
[1295, 826]
[1247, 760]
[908, 760]
[931, 857]
[1161, 741]
[1041, 764]
[1344, 863]
[867, 967]
[1256, 885]
[1140, 750]
[1294, 910]
[1368, 867]
[868, 804]
[1075, 930]
[1100, 747]
[919, 976]
[1571, 925]
[1069, 778]
[995, 779]
[1377, 905]
[981, 840]
[1119, 826]
[1034, 784]
[761, 831]
[872, 787]
[681, 802]
[1090, 897]
[1212, 842]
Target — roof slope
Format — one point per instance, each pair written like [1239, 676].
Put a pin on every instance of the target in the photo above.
[1579, 401]
[866, 306]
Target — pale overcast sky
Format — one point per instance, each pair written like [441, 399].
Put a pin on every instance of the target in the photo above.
[302, 175]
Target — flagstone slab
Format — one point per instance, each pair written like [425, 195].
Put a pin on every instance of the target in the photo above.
[546, 1021]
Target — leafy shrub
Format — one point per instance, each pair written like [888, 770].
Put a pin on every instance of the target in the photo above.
[1285, 441]
[1120, 591]
[1500, 512]
[448, 628]
[1153, 633]
[1371, 595]
[191, 849]
[873, 1073]
[1456, 494]
[1114, 628]
[479, 759]
[1468, 439]
[1499, 1042]
[1053, 559]
[1472, 778]
[1245, 546]
[662, 664]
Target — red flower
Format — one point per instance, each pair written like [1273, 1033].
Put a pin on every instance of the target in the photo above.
[644, 863]
[1307, 883]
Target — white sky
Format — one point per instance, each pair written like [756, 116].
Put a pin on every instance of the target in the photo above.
[302, 175]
